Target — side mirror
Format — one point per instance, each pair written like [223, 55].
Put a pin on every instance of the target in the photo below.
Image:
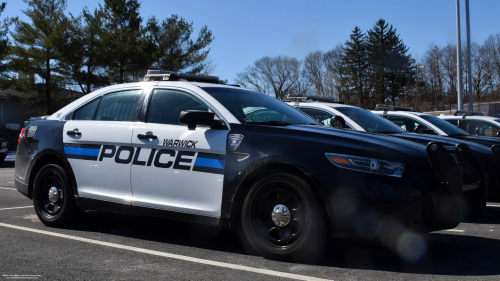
[420, 129]
[477, 131]
[337, 122]
[198, 117]
[498, 134]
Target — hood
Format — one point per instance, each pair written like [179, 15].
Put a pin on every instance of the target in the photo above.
[350, 142]
[486, 141]
[448, 142]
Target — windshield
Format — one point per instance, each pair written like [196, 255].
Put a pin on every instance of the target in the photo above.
[369, 121]
[444, 126]
[257, 108]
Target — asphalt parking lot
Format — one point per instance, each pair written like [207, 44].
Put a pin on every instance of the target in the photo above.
[105, 246]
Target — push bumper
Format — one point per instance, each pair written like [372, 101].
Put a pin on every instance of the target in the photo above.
[442, 206]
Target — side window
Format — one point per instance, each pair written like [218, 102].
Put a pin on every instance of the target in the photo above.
[495, 131]
[405, 123]
[118, 106]
[167, 105]
[318, 115]
[471, 127]
[87, 112]
[485, 129]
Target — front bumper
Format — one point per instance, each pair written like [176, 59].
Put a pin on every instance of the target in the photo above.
[427, 198]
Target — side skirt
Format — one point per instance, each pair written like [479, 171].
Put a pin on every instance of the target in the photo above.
[96, 204]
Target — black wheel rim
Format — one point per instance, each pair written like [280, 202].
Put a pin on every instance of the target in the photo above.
[45, 204]
[261, 210]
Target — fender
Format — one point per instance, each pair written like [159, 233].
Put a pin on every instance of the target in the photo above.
[47, 154]
[236, 187]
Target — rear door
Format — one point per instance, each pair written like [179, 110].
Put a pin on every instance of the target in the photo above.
[97, 143]
[175, 168]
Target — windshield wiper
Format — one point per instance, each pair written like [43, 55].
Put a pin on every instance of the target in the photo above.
[271, 123]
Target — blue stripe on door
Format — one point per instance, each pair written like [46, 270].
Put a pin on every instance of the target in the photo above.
[211, 163]
[81, 151]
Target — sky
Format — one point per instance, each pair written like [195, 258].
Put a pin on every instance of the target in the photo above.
[246, 31]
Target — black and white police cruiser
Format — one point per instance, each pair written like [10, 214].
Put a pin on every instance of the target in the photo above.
[194, 149]
[475, 123]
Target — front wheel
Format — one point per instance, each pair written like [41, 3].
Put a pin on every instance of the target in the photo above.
[52, 196]
[282, 219]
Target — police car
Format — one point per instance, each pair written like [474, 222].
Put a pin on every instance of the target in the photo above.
[423, 123]
[475, 123]
[338, 115]
[191, 148]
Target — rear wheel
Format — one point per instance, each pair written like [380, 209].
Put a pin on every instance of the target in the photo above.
[281, 219]
[52, 196]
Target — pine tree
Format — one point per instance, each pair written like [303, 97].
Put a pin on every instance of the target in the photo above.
[177, 51]
[4, 47]
[391, 65]
[84, 53]
[129, 53]
[35, 52]
[356, 63]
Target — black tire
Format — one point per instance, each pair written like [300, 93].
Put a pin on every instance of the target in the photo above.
[3, 155]
[303, 238]
[64, 209]
[474, 204]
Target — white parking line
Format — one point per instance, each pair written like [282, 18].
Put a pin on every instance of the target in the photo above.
[492, 205]
[16, 208]
[168, 255]
[8, 188]
[455, 230]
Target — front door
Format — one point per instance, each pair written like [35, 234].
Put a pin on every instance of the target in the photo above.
[176, 168]
[97, 143]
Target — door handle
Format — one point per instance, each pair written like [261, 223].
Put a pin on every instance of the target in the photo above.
[73, 133]
[144, 137]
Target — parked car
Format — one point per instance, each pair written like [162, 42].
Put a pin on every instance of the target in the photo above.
[482, 126]
[196, 150]
[350, 117]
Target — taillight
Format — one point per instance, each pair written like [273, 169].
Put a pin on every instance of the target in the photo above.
[20, 135]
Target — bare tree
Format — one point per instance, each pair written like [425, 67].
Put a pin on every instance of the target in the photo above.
[251, 78]
[492, 48]
[449, 64]
[315, 71]
[481, 71]
[272, 75]
[336, 76]
[433, 72]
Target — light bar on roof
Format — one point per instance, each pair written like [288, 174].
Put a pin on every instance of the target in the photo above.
[177, 76]
[386, 107]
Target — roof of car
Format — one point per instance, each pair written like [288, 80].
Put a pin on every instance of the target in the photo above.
[486, 118]
[399, 112]
[330, 104]
[61, 113]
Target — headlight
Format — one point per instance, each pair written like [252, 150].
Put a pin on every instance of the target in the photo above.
[376, 166]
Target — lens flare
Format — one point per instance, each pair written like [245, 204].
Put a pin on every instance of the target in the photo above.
[411, 247]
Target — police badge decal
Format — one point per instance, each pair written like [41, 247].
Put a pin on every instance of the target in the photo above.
[234, 141]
